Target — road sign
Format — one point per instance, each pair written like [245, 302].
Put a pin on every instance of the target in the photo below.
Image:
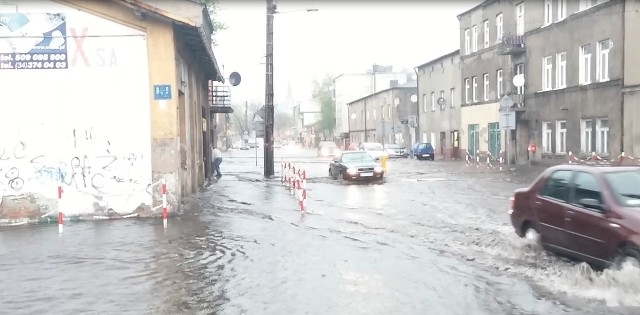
[259, 127]
[507, 120]
[260, 112]
[162, 92]
[505, 103]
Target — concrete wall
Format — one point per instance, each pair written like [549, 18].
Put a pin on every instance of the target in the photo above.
[631, 77]
[481, 115]
[443, 74]
[575, 102]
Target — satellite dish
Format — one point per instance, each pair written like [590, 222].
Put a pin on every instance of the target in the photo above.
[396, 101]
[234, 78]
[518, 80]
[414, 98]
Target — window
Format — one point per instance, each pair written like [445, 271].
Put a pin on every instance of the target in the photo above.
[499, 29]
[585, 64]
[453, 97]
[382, 112]
[474, 43]
[562, 9]
[475, 88]
[602, 135]
[485, 90]
[561, 136]
[467, 42]
[546, 137]
[520, 19]
[424, 102]
[520, 70]
[624, 186]
[374, 114]
[466, 91]
[442, 97]
[547, 73]
[586, 135]
[499, 83]
[389, 107]
[557, 186]
[602, 63]
[561, 70]
[548, 12]
[367, 115]
[585, 186]
[433, 101]
[486, 33]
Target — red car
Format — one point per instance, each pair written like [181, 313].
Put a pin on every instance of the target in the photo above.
[586, 212]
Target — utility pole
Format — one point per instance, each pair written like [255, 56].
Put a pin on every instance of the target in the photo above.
[268, 102]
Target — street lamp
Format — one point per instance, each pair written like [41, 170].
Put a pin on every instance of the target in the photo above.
[268, 97]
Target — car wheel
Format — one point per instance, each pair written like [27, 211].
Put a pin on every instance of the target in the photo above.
[627, 255]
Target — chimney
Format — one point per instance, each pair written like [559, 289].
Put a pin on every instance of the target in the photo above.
[393, 83]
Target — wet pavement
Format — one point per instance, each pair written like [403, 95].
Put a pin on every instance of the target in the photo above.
[433, 238]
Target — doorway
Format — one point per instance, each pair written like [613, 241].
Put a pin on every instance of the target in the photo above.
[455, 144]
[474, 139]
[443, 141]
[494, 138]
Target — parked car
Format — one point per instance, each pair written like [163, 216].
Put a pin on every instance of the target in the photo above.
[589, 213]
[375, 149]
[423, 150]
[244, 146]
[327, 149]
[355, 165]
[396, 151]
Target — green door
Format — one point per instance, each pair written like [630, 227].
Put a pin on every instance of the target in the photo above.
[474, 139]
[494, 139]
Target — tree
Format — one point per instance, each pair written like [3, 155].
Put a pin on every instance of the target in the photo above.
[323, 93]
[212, 6]
[283, 122]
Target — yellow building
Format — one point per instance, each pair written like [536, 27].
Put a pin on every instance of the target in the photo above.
[121, 104]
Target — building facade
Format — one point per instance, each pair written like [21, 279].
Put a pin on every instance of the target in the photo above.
[631, 78]
[383, 116]
[122, 96]
[486, 72]
[574, 78]
[351, 86]
[439, 115]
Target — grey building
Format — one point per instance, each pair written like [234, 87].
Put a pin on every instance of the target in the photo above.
[491, 53]
[439, 115]
[631, 83]
[574, 62]
[382, 116]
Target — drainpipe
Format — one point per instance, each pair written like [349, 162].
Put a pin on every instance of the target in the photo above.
[366, 138]
[622, 124]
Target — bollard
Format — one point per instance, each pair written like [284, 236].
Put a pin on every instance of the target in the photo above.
[478, 158]
[383, 161]
[467, 157]
[164, 203]
[60, 216]
[570, 157]
[300, 195]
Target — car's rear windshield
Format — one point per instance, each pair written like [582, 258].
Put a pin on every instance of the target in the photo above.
[425, 146]
[625, 186]
[356, 157]
[373, 146]
[394, 146]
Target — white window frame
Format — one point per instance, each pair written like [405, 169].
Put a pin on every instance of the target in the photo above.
[453, 97]
[602, 136]
[487, 34]
[520, 18]
[442, 96]
[466, 90]
[561, 137]
[561, 70]
[433, 101]
[548, 12]
[499, 28]
[585, 65]
[586, 135]
[602, 60]
[499, 83]
[474, 41]
[520, 70]
[485, 89]
[474, 88]
[467, 42]
[547, 133]
[562, 10]
[424, 102]
[547, 73]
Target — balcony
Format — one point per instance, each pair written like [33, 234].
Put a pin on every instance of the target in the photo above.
[220, 99]
[511, 45]
[518, 102]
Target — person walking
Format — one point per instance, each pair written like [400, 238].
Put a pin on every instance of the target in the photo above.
[216, 156]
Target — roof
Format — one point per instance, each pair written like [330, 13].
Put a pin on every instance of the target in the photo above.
[449, 55]
[402, 87]
[367, 74]
[482, 5]
[194, 33]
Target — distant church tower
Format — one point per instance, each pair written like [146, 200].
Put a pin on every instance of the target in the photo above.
[290, 100]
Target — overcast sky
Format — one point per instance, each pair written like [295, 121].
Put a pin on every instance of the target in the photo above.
[342, 37]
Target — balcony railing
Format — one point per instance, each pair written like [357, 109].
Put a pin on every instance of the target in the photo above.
[511, 45]
[518, 101]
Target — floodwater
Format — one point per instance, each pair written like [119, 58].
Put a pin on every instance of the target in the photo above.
[433, 238]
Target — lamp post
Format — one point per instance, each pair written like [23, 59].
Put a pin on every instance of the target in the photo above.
[268, 93]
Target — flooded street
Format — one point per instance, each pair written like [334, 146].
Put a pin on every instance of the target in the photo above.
[433, 238]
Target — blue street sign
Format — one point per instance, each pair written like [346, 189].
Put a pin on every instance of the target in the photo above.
[162, 92]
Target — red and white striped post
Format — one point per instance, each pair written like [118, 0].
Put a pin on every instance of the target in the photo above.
[164, 203]
[60, 215]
